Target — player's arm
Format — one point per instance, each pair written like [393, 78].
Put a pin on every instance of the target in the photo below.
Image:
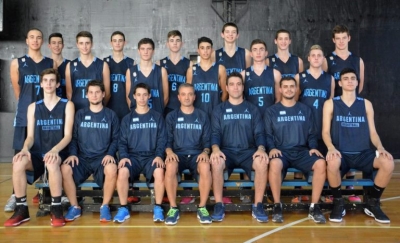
[68, 81]
[213, 56]
[332, 87]
[189, 74]
[277, 79]
[325, 65]
[222, 82]
[164, 77]
[160, 144]
[267, 61]
[297, 78]
[361, 84]
[327, 115]
[206, 142]
[170, 155]
[106, 82]
[301, 65]
[14, 75]
[248, 58]
[128, 87]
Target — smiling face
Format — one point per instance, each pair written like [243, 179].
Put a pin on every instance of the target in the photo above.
[34, 40]
[283, 41]
[56, 45]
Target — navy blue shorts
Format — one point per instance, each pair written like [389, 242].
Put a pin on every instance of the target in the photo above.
[141, 164]
[298, 159]
[322, 147]
[87, 167]
[239, 159]
[38, 166]
[188, 162]
[19, 137]
[363, 161]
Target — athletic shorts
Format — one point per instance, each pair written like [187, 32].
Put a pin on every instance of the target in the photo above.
[188, 162]
[239, 159]
[298, 159]
[38, 166]
[88, 167]
[363, 161]
[141, 164]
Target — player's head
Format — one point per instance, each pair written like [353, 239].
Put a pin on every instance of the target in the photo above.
[85, 34]
[230, 24]
[174, 33]
[117, 41]
[56, 36]
[34, 39]
[348, 79]
[28, 33]
[204, 40]
[204, 49]
[50, 72]
[282, 32]
[141, 86]
[117, 33]
[341, 37]
[288, 88]
[174, 40]
[235, 85]
[141, 93]
[316, 56]
[146, 41]
[283, 39]
[258, 49]
[338, 29]
[95, 83]
[56, 43]
[146, 49]
[95, 92]
[230, 32]
[287, 79]
[186, 94]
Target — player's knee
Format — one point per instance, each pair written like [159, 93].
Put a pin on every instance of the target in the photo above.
[320, 166]
[218, 168]
[203, 168]
[123, 174]
[275, 165]
[158, 174]
[171, 168]
[110, 171]
[260, 167]
[333, 165]
[387, 165]
[66, 170]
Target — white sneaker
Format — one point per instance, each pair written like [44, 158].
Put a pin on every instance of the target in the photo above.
[11, 203]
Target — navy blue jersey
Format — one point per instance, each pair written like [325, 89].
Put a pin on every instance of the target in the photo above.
[49, 126]
[154, 81]
[290, 127]
[314, 92]
[337, 64]
[80, 76]
[260, 90]
[118, 70]
[287, 69]
[188, 133]
[236, 63]
[61, 90]
[176, 76]
[206, 87]
[29, 83]
[237, 127]
[95, 134]
[349, 128]
[142, 134]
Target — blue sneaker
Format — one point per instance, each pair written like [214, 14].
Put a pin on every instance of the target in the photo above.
[172, 216]
[219, 212]
[122, 215]
[105, 215]
[73, 213]
[258, 213]
[203, 216]
[158, 214]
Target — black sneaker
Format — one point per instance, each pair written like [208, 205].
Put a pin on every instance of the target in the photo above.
[316, 214]
[373, 209]
[21, 214]
[277, 216]
[57, 218]
[338, 210]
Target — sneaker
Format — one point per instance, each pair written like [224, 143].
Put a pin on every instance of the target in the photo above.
[122, 215]
[57, 218]
[11, 203]
[20, 215]
[134, 200]
[277, 216]
[258, 213]
[338, 210]
[172, 216]
[219, 212]
[226, 200]
[158, 214]
[315, 214]
[105, 215]
[203, 216]
[246, 199]
[73, 213]
[36, 198]
[187, 200]
[354, 199]
[373, 209]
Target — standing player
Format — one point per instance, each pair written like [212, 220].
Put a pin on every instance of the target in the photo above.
[24, 72]
[237, 140]
[292, 142]
[348, 131]
[141, 146]
[147, 72]
[56, 46]
[188, 147]
[83, 69]
[49, 131]
[92, 151]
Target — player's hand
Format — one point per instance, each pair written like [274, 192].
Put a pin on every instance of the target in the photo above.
[384, 153]
[51, 157]
[262, 155]
[21, 154]
[171, 156]
[275, 153]
[216, 157]
[72, 160]
[122, 163]
[159, 162]
[315, 151]
[108, 159]
[203, 157]
[333, 153]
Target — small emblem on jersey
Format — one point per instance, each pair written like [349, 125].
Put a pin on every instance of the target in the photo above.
[152, 119]
[331, 57]
[87, 117]
[108, 60]
[75, 64]
[164, 61]
[247, 73]
[349, 114]
[134, 74]
[282, 113]
[194, 70]
[220, 54]
[300, 113]
[51, 117]
[23, 59]
[103, 120]
[333, 63]
[305, 81]
[304, 75]
[180, 119]
[197, 120]
[229, 110]
[273, 59]
[246, 111]
[25, 65]
[136, 119]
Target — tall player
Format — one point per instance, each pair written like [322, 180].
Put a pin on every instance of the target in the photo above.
[50, 122]
[83, 69]
[56, 46]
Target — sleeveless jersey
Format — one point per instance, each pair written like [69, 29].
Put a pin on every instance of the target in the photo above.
[117, 101]
[287, 69]
[29, 83]
[176, 76]
[349, 128]
[154, 81]
[49, 126]
[80, 76]
[236, 63]
[61, 90]
[260, 90]
[206, 86]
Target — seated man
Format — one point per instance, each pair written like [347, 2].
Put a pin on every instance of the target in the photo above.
[50, 123]
[237, 140]
[348, 129]
[141, 150]
[188, 147]
[92, 151]
[292, 142]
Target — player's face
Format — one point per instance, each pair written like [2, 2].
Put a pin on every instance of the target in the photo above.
[230, 34]
[288, 89]
[146, 52]
[84, 45]
[348, 81]
[174, 43]
[95, 95]
[34, 40]
[341, 41]
[186, 96]
[49, 83]
[117, 42]
[258, 52]
[316, 58]
[56, 45]
[141, 96]
[283, 41]
[235, 88]
[205, 49]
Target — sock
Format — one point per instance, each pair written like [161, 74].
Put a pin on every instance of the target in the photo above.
[21, 200]
[175, 208]
[336, 192]
[376, 191]
[125, 206]
[311, 205]
[56, 200]
[157, 205]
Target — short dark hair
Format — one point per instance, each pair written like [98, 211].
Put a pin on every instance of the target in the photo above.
[173, 33]
[340, 29]
[95, 83]
[287, 78]
[143, 86]
[146, 41]
[50, 71]
[56, 34]
[27, 33]
[258, 41]
[234, 74]
[230, 24]
[204, 39]
[185, 85]
[117, 33]
[347, 70]
[84, 34]
[282, 31]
